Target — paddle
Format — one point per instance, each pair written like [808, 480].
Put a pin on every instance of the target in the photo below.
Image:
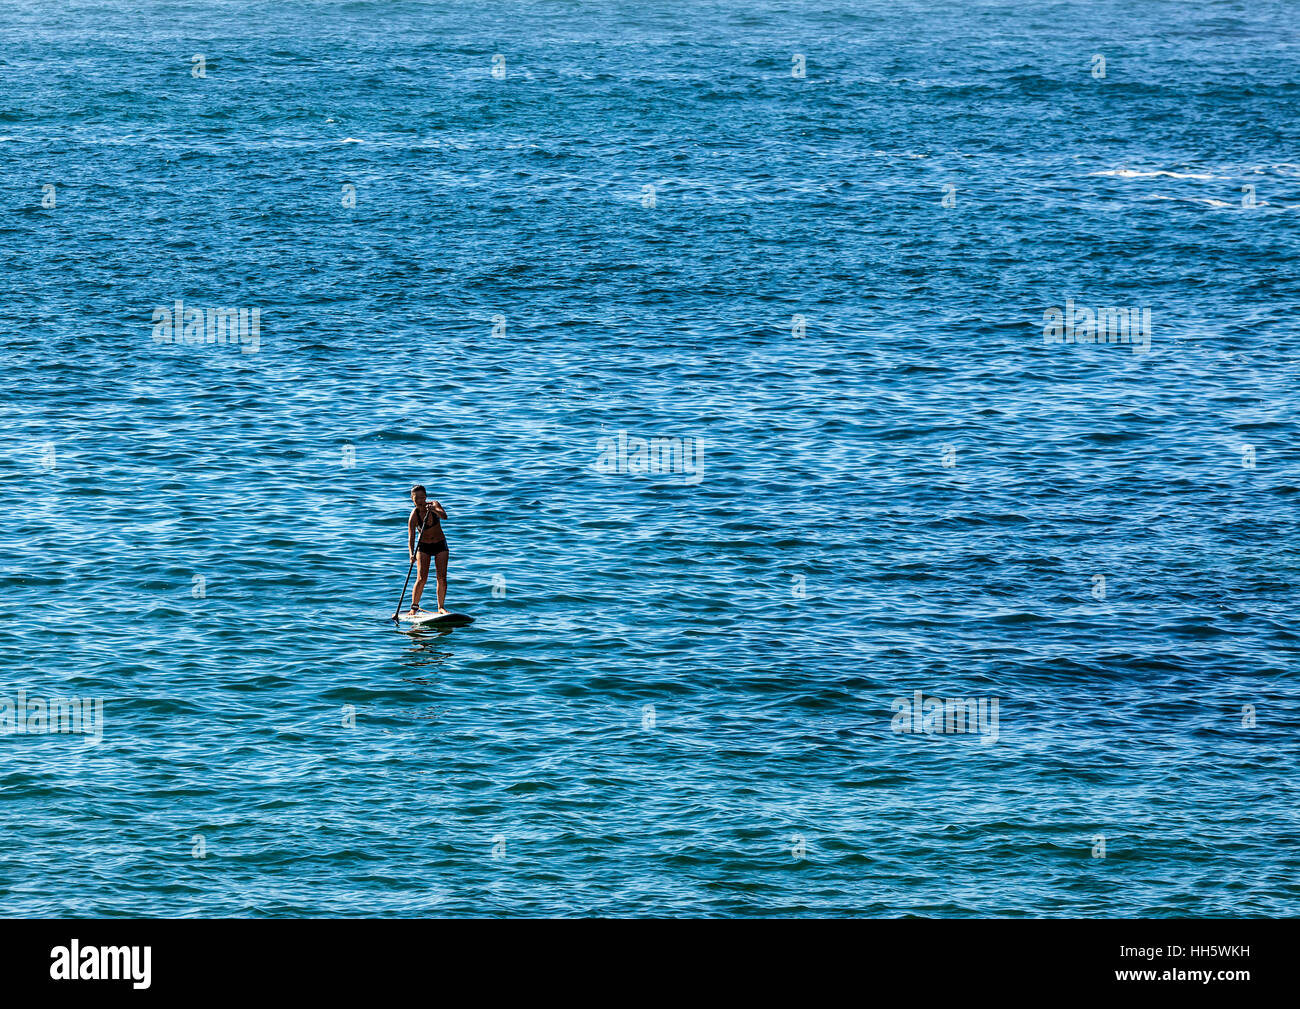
[428, 510]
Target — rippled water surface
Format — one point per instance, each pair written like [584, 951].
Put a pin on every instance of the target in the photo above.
[679, 696]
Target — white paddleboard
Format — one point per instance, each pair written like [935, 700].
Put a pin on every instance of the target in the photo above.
[432, 618]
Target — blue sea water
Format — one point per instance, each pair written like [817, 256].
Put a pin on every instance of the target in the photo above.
[684, 689]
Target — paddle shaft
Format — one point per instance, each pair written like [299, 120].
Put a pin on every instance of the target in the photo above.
[411, 567]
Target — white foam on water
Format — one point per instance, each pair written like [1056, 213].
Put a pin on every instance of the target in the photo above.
[1133, 173]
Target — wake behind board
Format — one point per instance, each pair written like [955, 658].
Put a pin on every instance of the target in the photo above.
[432, 618]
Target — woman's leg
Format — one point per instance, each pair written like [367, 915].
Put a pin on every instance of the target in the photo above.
[441, 561]
[422, 576]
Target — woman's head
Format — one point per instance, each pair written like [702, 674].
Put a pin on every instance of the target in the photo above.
[418, 494]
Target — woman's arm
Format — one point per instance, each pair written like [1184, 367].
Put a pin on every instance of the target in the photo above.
[438, 510]
[410, 534]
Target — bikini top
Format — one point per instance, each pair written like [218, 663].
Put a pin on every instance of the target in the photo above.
[429, 513]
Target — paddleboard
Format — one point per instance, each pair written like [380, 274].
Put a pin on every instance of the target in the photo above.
[432, 618]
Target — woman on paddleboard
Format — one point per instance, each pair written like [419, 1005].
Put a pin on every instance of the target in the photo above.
[432, 545]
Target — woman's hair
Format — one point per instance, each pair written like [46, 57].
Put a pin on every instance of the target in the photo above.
[420, 488]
